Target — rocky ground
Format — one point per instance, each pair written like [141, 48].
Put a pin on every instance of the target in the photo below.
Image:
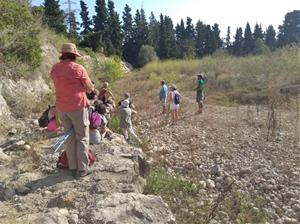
[33, 190]
[225, 149]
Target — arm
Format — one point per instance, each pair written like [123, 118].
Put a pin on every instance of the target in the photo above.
[89, 86]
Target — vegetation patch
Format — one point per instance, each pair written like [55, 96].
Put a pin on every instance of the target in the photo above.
[18, 38]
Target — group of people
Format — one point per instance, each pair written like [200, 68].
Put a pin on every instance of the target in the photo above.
[170, 98]
[79, 105]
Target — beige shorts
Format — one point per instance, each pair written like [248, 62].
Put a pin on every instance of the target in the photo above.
[174, 106]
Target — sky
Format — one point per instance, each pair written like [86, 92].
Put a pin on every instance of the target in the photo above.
[233, 13]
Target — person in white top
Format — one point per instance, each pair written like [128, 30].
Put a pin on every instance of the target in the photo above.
[174, 103]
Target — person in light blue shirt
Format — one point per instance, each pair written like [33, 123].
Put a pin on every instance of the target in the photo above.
[163, 95]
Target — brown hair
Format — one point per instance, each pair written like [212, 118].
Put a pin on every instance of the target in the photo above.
[67, 56]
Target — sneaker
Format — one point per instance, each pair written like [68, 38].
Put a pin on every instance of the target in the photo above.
[82, 173]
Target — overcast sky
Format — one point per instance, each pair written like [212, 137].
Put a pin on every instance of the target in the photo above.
[234, 13]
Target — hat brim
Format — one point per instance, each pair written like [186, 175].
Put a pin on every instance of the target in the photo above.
[77, 54]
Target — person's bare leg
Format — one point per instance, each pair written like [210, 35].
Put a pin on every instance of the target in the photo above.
[176, 115]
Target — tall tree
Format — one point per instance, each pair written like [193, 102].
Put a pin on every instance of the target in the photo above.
[228, 39]
[209, 40]
[140, 31]
[113, 34]
[200, 39]
[73, 29]
[128, 45]
[189, 30]
[170, 34]
[289, 31]
[153, 31]
[86, 21]
[270, 37]
[216, 34]
[100, 19]
[166, 42]
[258, 33]
[249, 43]
[237, 46]
[54, 16]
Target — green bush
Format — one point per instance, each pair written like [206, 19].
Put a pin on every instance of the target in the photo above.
[146, 55]
[111, 70]
[18, 37]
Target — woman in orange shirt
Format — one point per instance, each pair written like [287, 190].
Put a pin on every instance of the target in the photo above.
[71, 83]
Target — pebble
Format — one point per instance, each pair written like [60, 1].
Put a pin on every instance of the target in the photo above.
[73, 219]
[210, 184]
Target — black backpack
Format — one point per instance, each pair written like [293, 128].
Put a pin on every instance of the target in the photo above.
[44, 120]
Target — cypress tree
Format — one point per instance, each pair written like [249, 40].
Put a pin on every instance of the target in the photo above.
[189, 31]
[73, 30]
[140, 32]
[249, 44]
[54, 16]
[227, 39]
[170, 38]
[100, 19]
[128, 45]
[153, 31]
[113, 33]
[86, 21]
[216, 34]
[258, 33]
[200, 39]
[237, 46]
[209, 40]
[180, 33]
[270, 37]
[162, 47]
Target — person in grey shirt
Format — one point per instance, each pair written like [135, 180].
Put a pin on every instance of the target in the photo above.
[125, 121]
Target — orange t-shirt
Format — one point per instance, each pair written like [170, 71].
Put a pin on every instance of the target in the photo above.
[69, 78]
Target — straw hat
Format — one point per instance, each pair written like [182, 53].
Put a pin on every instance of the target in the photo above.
[69, 48]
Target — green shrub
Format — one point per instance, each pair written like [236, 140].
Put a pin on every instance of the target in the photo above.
[114, 124]
[111, 70]
[18, 38]
[146, 55]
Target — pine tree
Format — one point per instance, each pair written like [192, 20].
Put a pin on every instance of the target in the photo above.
[216, 33]
[100, 19]
[200, 39]
[189, 30]
[180, 33]
[227, 39]
[113, 34]
[270, 37]
[258, 33]
[249, 44]
[237, 46]
[73, 29]
[289, 31]
[162, 46]
[170, 37]
[86, 21]
[209, 40]
[153, 31]
[128, 45]
[54, 16]
[140, 32]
